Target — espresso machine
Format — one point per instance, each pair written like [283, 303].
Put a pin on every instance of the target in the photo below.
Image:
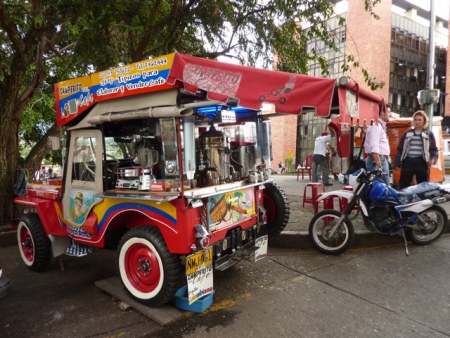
[214, 158]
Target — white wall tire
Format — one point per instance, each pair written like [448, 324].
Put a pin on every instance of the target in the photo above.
[33, 243]
[25, 243]
[148, 271]
[126, 265]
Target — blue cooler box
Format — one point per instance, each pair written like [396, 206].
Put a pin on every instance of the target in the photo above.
[199, 306]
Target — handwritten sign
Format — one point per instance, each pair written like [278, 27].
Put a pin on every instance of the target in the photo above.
[199, 274]
[211, 79]
[261, 247]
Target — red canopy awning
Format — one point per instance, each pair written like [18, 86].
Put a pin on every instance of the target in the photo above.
[251, 86]
[222, 81]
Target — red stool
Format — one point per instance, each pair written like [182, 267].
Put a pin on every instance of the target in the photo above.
[312, 199]
[328, 203]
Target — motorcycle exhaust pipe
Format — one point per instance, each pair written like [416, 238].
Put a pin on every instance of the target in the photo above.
[441, 199]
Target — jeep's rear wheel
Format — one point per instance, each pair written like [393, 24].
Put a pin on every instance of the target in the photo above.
[148, 271]
[277, 209]
[34, 245]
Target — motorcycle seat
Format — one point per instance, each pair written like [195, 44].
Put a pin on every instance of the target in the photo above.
[420, 188]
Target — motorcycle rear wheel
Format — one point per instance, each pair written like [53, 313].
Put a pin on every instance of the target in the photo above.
[320, 226]
[424, 234]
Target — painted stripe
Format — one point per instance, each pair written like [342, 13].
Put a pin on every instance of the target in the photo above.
[120, 206]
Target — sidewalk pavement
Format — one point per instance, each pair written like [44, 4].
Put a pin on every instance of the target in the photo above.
[300, 217]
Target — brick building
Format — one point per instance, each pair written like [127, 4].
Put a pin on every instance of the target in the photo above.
[393, 49]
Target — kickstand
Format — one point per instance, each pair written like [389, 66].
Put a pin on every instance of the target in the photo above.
[405, 242]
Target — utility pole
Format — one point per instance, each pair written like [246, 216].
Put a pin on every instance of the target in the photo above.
[431, 59]
[429, 96]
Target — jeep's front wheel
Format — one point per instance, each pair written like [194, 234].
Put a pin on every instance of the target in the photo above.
[148, 271]
[34, 245]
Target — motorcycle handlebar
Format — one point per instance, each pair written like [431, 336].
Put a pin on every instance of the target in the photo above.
[376, 173]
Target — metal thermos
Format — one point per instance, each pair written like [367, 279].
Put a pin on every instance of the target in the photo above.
[217, 156]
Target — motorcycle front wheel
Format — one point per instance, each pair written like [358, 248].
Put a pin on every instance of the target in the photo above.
[320, 232]
[431, 223]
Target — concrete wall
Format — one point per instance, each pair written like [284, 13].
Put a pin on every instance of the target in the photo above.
[284, 137]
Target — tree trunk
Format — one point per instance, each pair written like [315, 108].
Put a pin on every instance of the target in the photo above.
[38, 152]
[11, 107]
[9, 154]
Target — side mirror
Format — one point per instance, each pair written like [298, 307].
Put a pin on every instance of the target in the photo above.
[54, 142]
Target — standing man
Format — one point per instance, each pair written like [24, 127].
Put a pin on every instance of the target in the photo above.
[320, 163]
[376, 146]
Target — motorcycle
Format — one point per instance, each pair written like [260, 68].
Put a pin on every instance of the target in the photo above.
[413, 213]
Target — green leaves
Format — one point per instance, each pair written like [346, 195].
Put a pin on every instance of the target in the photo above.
[47, 41]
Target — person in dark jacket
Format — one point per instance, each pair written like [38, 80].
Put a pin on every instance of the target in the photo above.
[416, 151]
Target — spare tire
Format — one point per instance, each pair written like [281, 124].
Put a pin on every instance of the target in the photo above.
[277, 209]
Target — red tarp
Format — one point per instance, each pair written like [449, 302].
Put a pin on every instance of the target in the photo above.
[369, 104]
[250, 86]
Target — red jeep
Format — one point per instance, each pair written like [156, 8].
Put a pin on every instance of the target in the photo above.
[166, 160]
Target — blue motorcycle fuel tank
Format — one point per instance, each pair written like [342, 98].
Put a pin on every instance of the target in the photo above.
[380, 192]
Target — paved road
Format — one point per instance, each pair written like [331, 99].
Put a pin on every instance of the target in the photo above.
[64, 304]
[374, 292]
[365, 293]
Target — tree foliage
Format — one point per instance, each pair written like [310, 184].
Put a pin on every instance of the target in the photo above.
[45, 41]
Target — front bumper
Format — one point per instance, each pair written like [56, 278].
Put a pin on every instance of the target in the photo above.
[237, 245]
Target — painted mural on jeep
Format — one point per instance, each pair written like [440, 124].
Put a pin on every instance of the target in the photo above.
[231, 207]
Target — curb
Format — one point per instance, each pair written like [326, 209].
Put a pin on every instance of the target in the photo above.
[301, 240]
[285, 240]
[363, 239]
[164, 315]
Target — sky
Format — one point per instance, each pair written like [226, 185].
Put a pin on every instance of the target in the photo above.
[441, 6]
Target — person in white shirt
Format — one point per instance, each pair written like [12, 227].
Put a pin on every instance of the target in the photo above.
[376, 146]
[320, 163]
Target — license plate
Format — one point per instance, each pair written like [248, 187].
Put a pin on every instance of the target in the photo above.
[199, 274]
[199, 260]
[261, 247]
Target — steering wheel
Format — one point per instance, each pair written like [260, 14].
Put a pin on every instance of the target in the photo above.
[112, 166]
[88, 173]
